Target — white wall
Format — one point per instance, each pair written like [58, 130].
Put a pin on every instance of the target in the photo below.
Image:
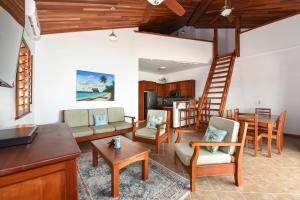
[268, 72]
[146, 76]
[60, 55]
[8, 99]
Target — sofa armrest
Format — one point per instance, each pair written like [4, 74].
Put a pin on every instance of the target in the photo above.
[132, 119]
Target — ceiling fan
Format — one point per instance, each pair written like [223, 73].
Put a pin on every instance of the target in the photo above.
[173, 5]
[226, 11]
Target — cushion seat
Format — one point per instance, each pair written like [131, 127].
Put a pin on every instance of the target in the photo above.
[81, 131]
[102, 129]
[148, 133]
[120, 125]
[185, 153]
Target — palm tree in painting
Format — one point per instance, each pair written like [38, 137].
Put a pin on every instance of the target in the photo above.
[103, 79]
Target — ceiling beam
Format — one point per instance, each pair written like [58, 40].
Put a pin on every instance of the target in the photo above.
[198, 12]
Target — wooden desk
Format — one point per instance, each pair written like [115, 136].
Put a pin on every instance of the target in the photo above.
[269, 122]
[45, 169]
[129, 153]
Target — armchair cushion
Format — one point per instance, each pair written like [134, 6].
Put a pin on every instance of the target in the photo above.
[94, 112]
[214, 135]
[116, 114]
[158, 113]
[102, 129]
[232, 128]
[81, 131]
[76, 118]
[185, 152]
[153, 121]
[148, 133]
[121, 125]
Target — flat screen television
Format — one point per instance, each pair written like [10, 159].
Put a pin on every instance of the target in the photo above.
[11, 33]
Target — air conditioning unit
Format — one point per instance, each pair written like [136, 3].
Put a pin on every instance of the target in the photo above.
[32, 25]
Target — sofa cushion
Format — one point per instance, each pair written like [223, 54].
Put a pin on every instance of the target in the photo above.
[232, 128]
[185, 153]
[97, 111]
[121, 125]
[81, 131]
[148, 133]
[116, 114]
[76, 117]
[102, 129]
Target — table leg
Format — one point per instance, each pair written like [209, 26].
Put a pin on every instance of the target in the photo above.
[145, 168]
[115, 181]
[270, 130]
[95, 158]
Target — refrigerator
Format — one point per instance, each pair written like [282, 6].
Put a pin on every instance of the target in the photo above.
[150, 102]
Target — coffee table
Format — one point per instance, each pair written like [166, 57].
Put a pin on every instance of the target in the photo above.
[129, 153]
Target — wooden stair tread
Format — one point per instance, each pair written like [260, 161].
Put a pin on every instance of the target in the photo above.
[216, 87]
[225, 67]
[221, 72]
[223, 63]
[218, 77]
[215, 82]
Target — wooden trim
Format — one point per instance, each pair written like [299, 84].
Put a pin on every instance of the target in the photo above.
[173, 36]
[237, 36]
[291, 135]
[271, 22]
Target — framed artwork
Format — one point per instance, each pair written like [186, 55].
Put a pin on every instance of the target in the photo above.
[93, 86]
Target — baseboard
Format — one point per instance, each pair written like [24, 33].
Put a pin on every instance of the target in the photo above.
[292, 135]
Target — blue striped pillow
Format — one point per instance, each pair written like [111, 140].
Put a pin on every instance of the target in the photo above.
[100, 120]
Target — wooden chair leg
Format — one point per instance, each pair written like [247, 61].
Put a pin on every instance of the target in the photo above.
[255, 148]
[261, 144]
[278, 145]
[238, 175]
[157, 147]
[193, 179]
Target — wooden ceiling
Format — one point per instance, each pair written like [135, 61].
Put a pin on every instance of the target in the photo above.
[58, 16]
[16, 8]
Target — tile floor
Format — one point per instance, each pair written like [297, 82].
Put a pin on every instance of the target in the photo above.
[276, 178]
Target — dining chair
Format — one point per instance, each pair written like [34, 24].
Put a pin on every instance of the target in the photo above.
[230, 113]
[199, 162]
[278, 133]
[153, 135]
[263, 111]
[253, 133]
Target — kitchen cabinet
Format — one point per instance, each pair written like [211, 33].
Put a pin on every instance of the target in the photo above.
[160, 90]
[187, 88]
[169, 87]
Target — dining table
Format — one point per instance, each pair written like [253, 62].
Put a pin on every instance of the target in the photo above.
[269, 122]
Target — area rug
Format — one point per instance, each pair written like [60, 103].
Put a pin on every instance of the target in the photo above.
[95, 183]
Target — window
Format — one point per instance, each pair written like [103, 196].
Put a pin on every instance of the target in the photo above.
[24, 82]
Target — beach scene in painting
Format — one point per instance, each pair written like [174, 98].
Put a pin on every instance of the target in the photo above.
[93, 86]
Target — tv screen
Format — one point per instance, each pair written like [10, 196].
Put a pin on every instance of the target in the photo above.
[11, 33]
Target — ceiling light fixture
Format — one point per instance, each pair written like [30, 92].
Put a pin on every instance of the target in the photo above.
[113, 8]
[112, 36]
[162, 68]
[226, 11]
[155, 2]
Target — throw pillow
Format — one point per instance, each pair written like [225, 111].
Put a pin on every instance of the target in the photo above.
[214, 135]
[100, 120]
[153, 121]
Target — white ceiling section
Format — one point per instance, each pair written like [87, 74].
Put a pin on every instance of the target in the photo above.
[153, 65]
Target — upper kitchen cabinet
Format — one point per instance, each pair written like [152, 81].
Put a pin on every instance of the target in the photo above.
[160, 90]
[169, 87]
[186, 88]
[148, 85]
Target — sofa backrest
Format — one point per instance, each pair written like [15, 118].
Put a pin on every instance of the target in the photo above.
[232, 128]
[97, 111]
[76, 117]
[116, 114]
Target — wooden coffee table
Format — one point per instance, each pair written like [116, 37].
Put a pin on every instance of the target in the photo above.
[130, 152]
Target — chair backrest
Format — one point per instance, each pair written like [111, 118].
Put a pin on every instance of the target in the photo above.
[241, 139]
[263, 111]
[281, 122]
[162, 113]
[229, 114]
[116, 114]
[192, 104]
[232, 128]
[251, 119]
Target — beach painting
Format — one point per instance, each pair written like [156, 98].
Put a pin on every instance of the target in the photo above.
[93, 86]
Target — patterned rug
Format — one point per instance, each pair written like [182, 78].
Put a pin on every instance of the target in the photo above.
[163, 184]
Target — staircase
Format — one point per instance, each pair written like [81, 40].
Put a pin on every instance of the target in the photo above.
[216, 88]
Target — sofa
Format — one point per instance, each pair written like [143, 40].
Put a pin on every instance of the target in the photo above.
[82, 123]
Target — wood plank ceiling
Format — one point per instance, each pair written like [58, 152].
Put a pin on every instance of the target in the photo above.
[58, 16]
[16, 8]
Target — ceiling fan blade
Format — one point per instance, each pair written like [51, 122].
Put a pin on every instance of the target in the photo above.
[147, 13]
[230, 18]
[175, 7]
[212, 11]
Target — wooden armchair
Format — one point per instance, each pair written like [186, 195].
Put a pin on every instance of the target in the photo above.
[156, 136]
[198, 161]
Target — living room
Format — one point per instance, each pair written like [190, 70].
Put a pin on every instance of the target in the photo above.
[82, 69]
